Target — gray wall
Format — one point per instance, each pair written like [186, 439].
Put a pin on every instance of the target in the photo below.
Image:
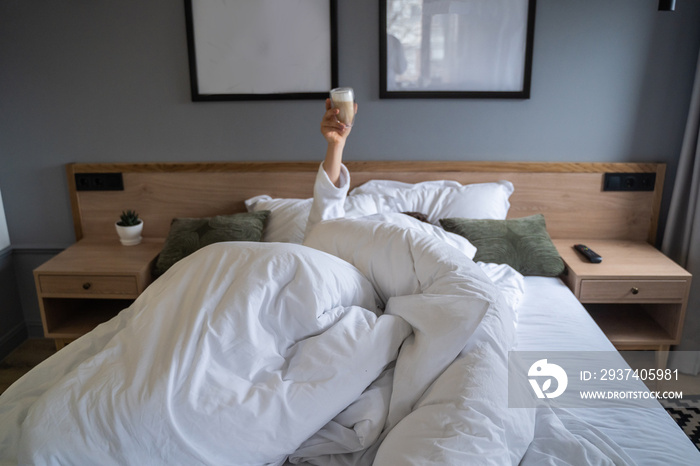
[106, 81]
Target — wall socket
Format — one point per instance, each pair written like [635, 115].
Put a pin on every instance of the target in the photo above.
[629, 182]
[99, 182]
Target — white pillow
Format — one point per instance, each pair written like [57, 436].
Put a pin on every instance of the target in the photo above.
[287, 220]
[442, 199]
[436, 199]
[360, 205]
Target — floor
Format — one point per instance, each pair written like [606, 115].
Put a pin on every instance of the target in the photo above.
[22, 359]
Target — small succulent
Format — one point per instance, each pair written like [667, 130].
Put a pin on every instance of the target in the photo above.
[128, 218]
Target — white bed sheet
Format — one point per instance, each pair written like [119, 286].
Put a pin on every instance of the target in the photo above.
[551, 319]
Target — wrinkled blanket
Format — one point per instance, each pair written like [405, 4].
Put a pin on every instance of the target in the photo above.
[371, 344]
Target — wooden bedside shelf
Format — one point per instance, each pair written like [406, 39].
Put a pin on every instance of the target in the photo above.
[636, 295]
[89, 283]
[629, 326]
[67, 319]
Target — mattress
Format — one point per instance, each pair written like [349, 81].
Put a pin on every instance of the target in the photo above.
[551, 319]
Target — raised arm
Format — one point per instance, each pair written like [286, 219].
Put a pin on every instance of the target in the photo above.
[333, 180]
[336, 134]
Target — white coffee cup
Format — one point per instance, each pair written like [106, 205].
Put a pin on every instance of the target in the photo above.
[343, 98]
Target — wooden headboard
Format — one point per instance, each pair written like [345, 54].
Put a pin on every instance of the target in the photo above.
[570, 195]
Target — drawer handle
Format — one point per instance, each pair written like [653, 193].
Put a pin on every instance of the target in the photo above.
[635, 290]
[87, 285]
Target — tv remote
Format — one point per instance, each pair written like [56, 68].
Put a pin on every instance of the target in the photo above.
[588, 253]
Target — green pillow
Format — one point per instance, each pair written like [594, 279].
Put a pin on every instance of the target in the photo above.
[523, 243]
[187, 235]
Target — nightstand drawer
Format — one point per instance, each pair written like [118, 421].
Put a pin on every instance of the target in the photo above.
[620, 291]
[88, 285]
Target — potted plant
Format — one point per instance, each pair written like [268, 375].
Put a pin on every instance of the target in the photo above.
[129, 228]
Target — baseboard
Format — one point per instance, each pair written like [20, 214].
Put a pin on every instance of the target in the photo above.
[12, 339]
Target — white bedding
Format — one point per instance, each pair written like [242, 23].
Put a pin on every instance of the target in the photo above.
[551, 319]
[376, 345]
[235, 357]
[242, 351]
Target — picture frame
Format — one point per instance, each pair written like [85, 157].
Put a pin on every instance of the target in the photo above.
[261, 50]
[456, 48]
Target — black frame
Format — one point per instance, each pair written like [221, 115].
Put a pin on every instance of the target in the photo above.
[524, 93]
[321, 94]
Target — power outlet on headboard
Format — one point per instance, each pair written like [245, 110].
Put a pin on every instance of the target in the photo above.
[99, 182]
[629, 182]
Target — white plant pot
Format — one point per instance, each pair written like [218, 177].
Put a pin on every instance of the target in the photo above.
[131, 235]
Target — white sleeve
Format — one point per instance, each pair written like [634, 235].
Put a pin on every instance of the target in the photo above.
[329, 200]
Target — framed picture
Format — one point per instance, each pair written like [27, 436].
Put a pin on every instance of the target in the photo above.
[262, 49]
[456, 48]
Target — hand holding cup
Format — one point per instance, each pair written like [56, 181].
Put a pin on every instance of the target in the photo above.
[343, 98]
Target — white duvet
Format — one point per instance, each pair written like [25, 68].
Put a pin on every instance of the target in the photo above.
[372, 344]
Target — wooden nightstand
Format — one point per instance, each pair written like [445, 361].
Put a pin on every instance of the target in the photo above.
[636, 294]
[89, 283]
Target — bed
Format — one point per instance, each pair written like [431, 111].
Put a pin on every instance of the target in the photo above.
[379, 340]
